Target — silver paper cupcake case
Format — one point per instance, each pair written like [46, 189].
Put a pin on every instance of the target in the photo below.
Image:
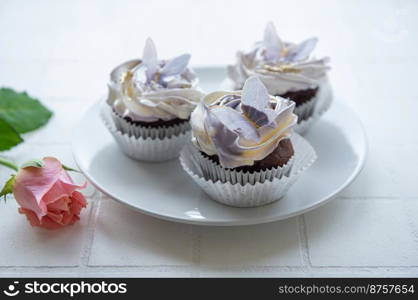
[249, 195]
[155, 144]
[214, 171]
[131, 129]
[309, 112]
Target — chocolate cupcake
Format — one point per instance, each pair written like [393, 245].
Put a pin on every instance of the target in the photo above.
[288, 70]
[150, 102]
[280, 156]
[242, 144]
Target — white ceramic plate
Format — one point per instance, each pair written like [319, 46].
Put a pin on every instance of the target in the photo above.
[165, 191]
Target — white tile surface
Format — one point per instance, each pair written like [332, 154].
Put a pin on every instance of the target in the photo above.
[28, 76]
[23, 245]
[275, 244]
[76, 80]
[393, 165]
[59, 130]
[354, 233]
[139, 239]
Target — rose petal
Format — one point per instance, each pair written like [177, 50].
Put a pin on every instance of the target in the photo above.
[48, 223]
[63, 187]
[33, 183]
[30, 215]
[67, 218]
[59, 205]
[37, 189]
[272, 43]
[78, 202]
[56, 217]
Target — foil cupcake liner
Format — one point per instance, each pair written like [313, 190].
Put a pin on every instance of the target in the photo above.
[250, 194]
[158, 144]
[309, 112]
[214, 171]
[306, 110]
[131, 129]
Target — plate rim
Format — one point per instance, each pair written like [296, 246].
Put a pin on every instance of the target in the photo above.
[206, 222]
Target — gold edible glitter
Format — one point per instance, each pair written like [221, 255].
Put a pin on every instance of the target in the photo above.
[127, 76]
[157, 77]
[281, 68]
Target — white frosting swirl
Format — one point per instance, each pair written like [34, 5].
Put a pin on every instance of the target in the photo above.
[281, 66]
[240, 131]
[144, 92]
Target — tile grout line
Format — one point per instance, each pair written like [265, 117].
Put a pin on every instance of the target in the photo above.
[304, 245]
[195, 270]
[177, 271]
[243, 267]
[410, 222]
[45, 144]
[359, 198]
[91, 227]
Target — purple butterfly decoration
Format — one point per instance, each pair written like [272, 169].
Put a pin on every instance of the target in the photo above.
[254, 102]
[273, 47]
[172, 67]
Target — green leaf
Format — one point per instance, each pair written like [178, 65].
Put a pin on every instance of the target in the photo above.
[37, 163]
[8, 136]
[69, 169]
[21, 111]
[8, 187]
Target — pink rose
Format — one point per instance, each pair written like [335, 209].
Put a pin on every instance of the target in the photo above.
[47, 195]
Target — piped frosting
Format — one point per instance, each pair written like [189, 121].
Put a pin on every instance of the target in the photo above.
[281, 66]
[150, 89]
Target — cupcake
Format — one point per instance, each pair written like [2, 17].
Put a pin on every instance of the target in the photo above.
[288, 70]
[243, 152]
[149, 103]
